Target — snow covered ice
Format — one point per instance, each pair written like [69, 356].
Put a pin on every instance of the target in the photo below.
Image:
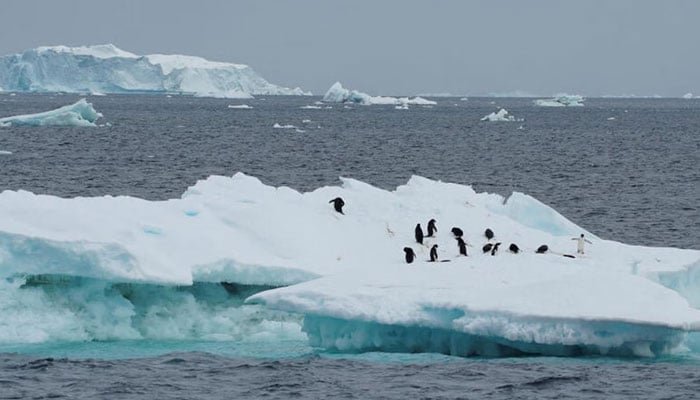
[338, 94]
[345, 274]
[501, 115]
[80, 113]
[561, 100]
[108, 69]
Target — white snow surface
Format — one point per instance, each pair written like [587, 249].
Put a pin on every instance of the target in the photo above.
[338, 94]
[561, 100]
[501, 115]
[108, 69]
[81, 113]
[236, 229]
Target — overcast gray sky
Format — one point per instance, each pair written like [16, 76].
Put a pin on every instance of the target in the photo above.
[540, 47]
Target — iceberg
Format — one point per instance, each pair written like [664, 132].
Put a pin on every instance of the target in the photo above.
[235, 258]
[686, 96]
[240, 106]
[561, 100]
[501, 115]
[108, 69]
[81, 113]
[338, 94]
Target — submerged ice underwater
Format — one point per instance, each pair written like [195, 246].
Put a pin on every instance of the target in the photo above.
[236, 260]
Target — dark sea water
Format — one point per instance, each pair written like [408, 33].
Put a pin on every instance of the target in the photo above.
[625, 169]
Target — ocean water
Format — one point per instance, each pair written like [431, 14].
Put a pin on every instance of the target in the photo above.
[625, 169]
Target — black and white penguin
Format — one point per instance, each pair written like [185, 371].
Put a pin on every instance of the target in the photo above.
[488, 233]
[419, 234]
[433, 253]
[457, 232]
[495, 248]
[487, 247]
[431, 228]
[410, 254]
[542, 249]
[462, 246]
[514, 248]
[338, 204]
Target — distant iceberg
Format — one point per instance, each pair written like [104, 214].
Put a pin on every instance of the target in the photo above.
[81, 113]
[686, 96]
[561, 100]
[240, 106]
[501, 115]
[338, 94]
[108, 69]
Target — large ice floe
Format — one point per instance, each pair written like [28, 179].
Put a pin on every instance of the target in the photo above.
[81, 113]
[561, 100]
[338, 94]
[108, 69]
[125, 268]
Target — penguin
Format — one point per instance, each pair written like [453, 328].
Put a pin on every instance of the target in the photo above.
[431, 228]
[410, 254]
[542, 249]
[488, 233]
[568, 255]
[495, 248]
[487, 247]
[457, 232]
[433, 253]
[462, 246]
[338, 204]
[419, 234]
[514, 248]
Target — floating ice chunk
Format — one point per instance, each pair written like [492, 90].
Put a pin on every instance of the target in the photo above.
[688, 96]
[5, 152]
[611, 118]
[463, 99]
[310, 107]
[288, 126]
[500, 115]
[402, 107]
[240, 106]
[365, 296]
[561, 100]
[306, 121]
[338, 94]
[81, 113]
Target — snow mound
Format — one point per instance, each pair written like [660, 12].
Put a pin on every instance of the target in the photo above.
[561, 100]
[338, 94]
[108, 69]
[345, 274]
[501, 115]
[80, 113]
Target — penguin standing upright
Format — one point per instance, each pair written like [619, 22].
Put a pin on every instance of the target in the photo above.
[410, 254]
[433, 253]
[495, 248]
[338, 204]
[431, 228]
[419, 234]
[462, 246]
